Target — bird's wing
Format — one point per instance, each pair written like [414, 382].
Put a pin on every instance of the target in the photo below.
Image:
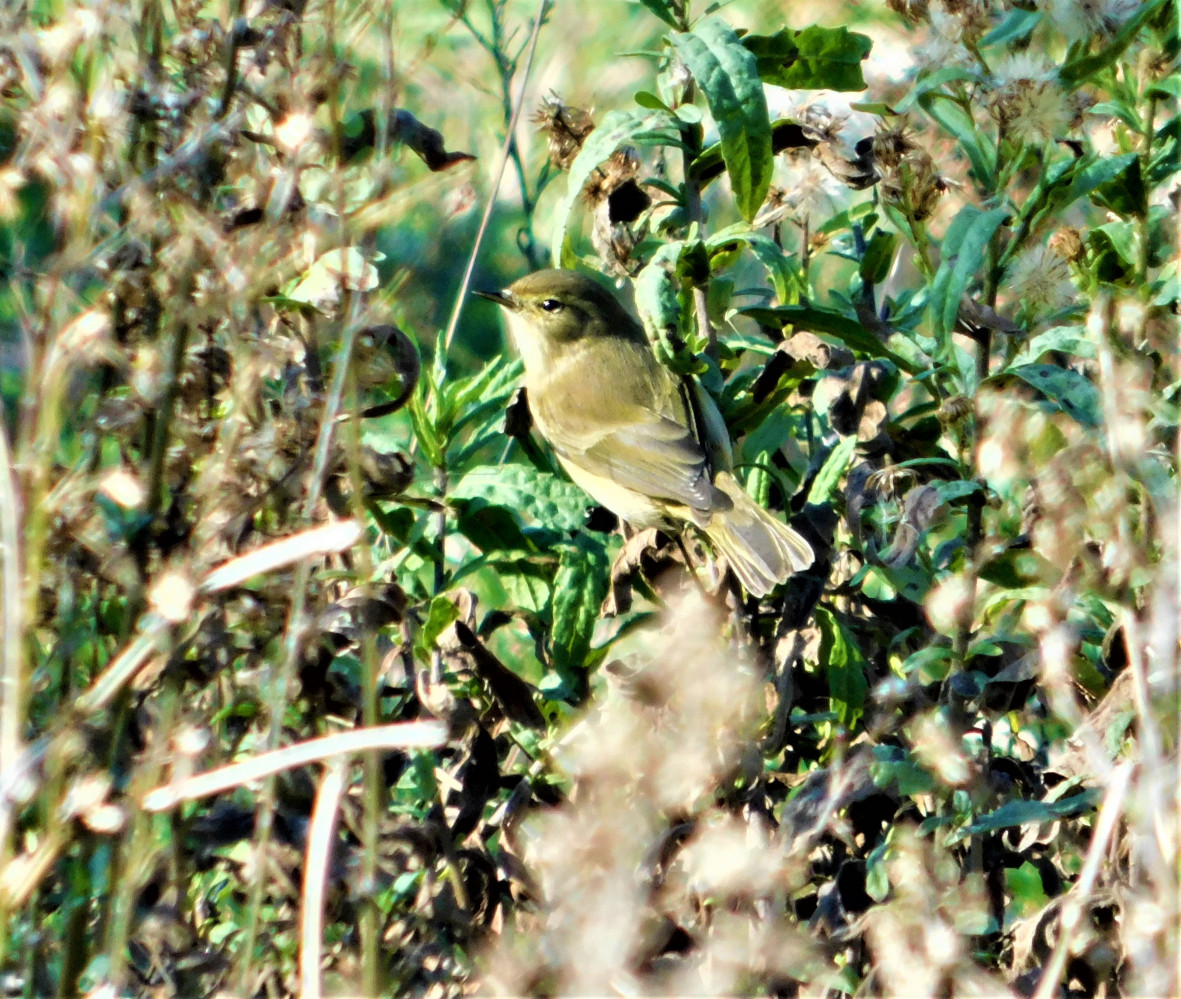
[655, 456]
[639, 439]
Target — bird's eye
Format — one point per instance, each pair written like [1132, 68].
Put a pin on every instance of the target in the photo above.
[552, 305]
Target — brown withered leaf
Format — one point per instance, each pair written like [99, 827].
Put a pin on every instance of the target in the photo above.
[479, 777]
[647, 552]
[394, 352]
[362, 610]
[427, 143]
[778, 365]
[919, 509]
[848, 407]
[512, 694]
[806, 346]
[565, 127]
[976, 319]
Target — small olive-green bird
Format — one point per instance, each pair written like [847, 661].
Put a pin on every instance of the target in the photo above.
[649, 446]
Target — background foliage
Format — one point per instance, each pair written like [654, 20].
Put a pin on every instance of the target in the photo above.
[266, 478]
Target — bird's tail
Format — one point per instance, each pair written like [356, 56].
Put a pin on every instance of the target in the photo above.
[761, 549]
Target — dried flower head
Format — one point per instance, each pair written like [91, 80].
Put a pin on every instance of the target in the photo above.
[955, 409]
[1067, 242]
[623, 166]
[565, 127]
[1081, 20]
[915, 11]
[944, 45]
[1040, 279]
[619, 203]
[975, 17]
[914, 186]
[1027, 102]
[893, 139]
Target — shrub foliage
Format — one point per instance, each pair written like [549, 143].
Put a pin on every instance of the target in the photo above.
[316, 672]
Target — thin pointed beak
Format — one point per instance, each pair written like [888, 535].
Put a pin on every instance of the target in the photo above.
[499, 297]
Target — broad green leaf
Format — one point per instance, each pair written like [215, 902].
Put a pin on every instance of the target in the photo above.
[616, 129]
[894, 769]
[877, 875]
[834, 324]
[729, 79]
[815, 58]
[835, 465]
[535, 495]
[579, 588]
[843, 666]
[956, 489]
[441, 614]
[1020, 813]
[491, 528]
[1068, 390]
[1125, 194]
[1094, 175]
[1114, 246]
[932, 663]
[963, 255]
[1064, 339]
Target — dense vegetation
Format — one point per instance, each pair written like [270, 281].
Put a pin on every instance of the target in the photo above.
[317, 674]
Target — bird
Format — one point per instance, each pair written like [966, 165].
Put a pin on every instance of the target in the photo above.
[646, 444]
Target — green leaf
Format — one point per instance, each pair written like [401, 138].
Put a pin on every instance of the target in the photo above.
[835, 465]
[728, 76]
[834, 324]
[880, 108]
[663, 10]
[616, 129]
[441, 614]
[1071, 340]
[491, 528]
[963, 254]
[1122, 237]
[815, 58]
[658, 302]
[1067, 390]
[1018, 24]
[956, 121]
[579, 588]
[930, 83]
[1125, 194]
[1020, 813]
[1093, 175]
[534, 495]
[650, 101]
[1165, 89]
[1074, 73]
[781, 267]
[894, 769]
[879, 256]
[844, 667]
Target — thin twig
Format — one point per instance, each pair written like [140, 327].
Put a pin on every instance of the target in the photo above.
[315, 878]
[1076, 901]
[453, 323]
